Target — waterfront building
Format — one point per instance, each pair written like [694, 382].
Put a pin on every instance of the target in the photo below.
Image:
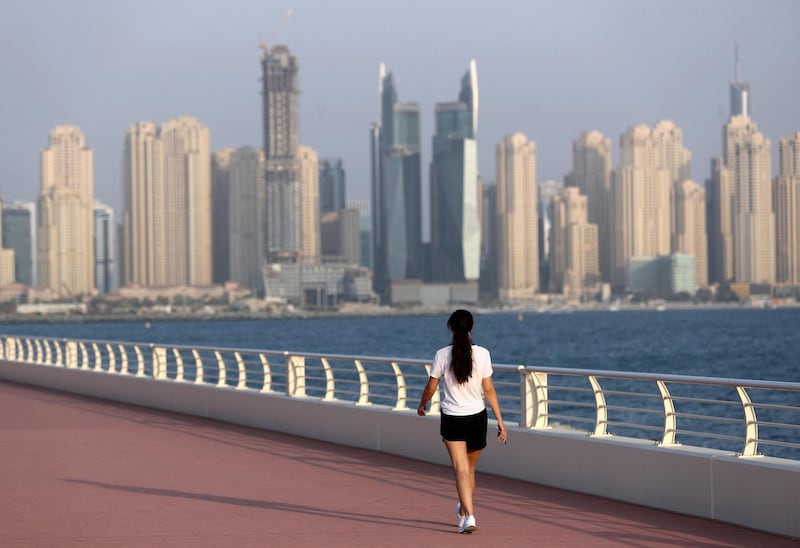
[719, 222]
[662, 276]
[65, 251]
[143, 253]
[246, 204]
[748, 157]
[547, 191]
[786, 205]
[318, 285]
[167, 199]
[331, 185]
[105, 252]
[187, 201]
[489, 243]
[279, 95]
[591, 173]
[18, 229]
[341, 236]
[308, 207]
[396, 190]
[6, 266]
[640, 201]
[220, 217]
[455, 225]
[690, 237]
[574, 261]
[365, 229]
[518, 258]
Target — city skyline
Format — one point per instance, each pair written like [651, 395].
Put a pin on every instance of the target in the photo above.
[571, 87]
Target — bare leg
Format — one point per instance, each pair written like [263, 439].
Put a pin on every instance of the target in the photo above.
[473, 457]
[464, 467]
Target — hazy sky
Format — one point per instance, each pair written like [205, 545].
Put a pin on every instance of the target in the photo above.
[548, 69]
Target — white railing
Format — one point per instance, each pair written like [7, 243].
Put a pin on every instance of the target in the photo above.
[746, 417]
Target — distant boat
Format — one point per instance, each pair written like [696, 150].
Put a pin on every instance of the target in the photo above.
[519, 317]
[661, 308]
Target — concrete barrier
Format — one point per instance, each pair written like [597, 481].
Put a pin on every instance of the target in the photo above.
[761, 493]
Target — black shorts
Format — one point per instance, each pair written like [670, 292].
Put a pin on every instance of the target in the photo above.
[468, 428]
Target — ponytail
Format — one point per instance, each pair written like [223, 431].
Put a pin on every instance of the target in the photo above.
[460, 324]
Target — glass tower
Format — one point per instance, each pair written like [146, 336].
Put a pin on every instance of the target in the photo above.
[455, 226]
[396, 190]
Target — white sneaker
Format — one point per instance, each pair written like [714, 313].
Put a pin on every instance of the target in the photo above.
[468, 526]
[458, 514]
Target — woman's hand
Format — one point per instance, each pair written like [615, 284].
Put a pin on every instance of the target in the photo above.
[421, 410]
[502, 433]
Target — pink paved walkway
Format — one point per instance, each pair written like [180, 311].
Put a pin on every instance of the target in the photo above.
[81, 472]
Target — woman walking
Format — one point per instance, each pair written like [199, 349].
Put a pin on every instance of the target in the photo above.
[464, 371]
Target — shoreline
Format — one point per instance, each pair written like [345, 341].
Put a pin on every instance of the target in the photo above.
[377, 312]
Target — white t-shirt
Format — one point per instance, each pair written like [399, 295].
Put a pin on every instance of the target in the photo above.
[462, 399]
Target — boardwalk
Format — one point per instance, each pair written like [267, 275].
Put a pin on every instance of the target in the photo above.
[81, 472]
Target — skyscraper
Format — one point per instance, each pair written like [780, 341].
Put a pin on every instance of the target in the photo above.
[396, 190]
[331, 185]
[591, 173]
[19, 234]
[246, 205]
[105, 234]
[7, 255]
[719, 222]
[518, 262]
[308, 207]
[641, 191]
[748, 157]
[187, 201]
[455, 226]
[547, 191]
[690, 227]
[786, 204]
[66, 257]
[143, 252]
[167, 194]
[574, 261]
[279, 95]
[220, 217]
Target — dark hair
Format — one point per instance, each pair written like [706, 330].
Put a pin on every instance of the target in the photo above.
[460, 324]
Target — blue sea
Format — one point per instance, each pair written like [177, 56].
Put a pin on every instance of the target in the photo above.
[732, 342]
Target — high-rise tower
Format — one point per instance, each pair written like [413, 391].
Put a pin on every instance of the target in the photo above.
[246, 217]
[455, 226]
[591, 173]
[167, 194]
[279, 95]
[748, 157]
[786, 200]
[396, 190]
[517, 224]
[66, 255]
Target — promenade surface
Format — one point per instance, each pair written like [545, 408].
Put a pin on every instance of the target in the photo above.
[75, 471]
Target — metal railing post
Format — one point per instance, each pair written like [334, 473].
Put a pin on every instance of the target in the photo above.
[159, 360]
[533, 399]
[670, 418]
[295, 375]
[72, 354]
[363, 383]
[750, 448]
[267, 385]
[601, 419]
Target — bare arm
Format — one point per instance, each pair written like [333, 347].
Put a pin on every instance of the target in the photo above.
[491, 397]
[427, 394]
